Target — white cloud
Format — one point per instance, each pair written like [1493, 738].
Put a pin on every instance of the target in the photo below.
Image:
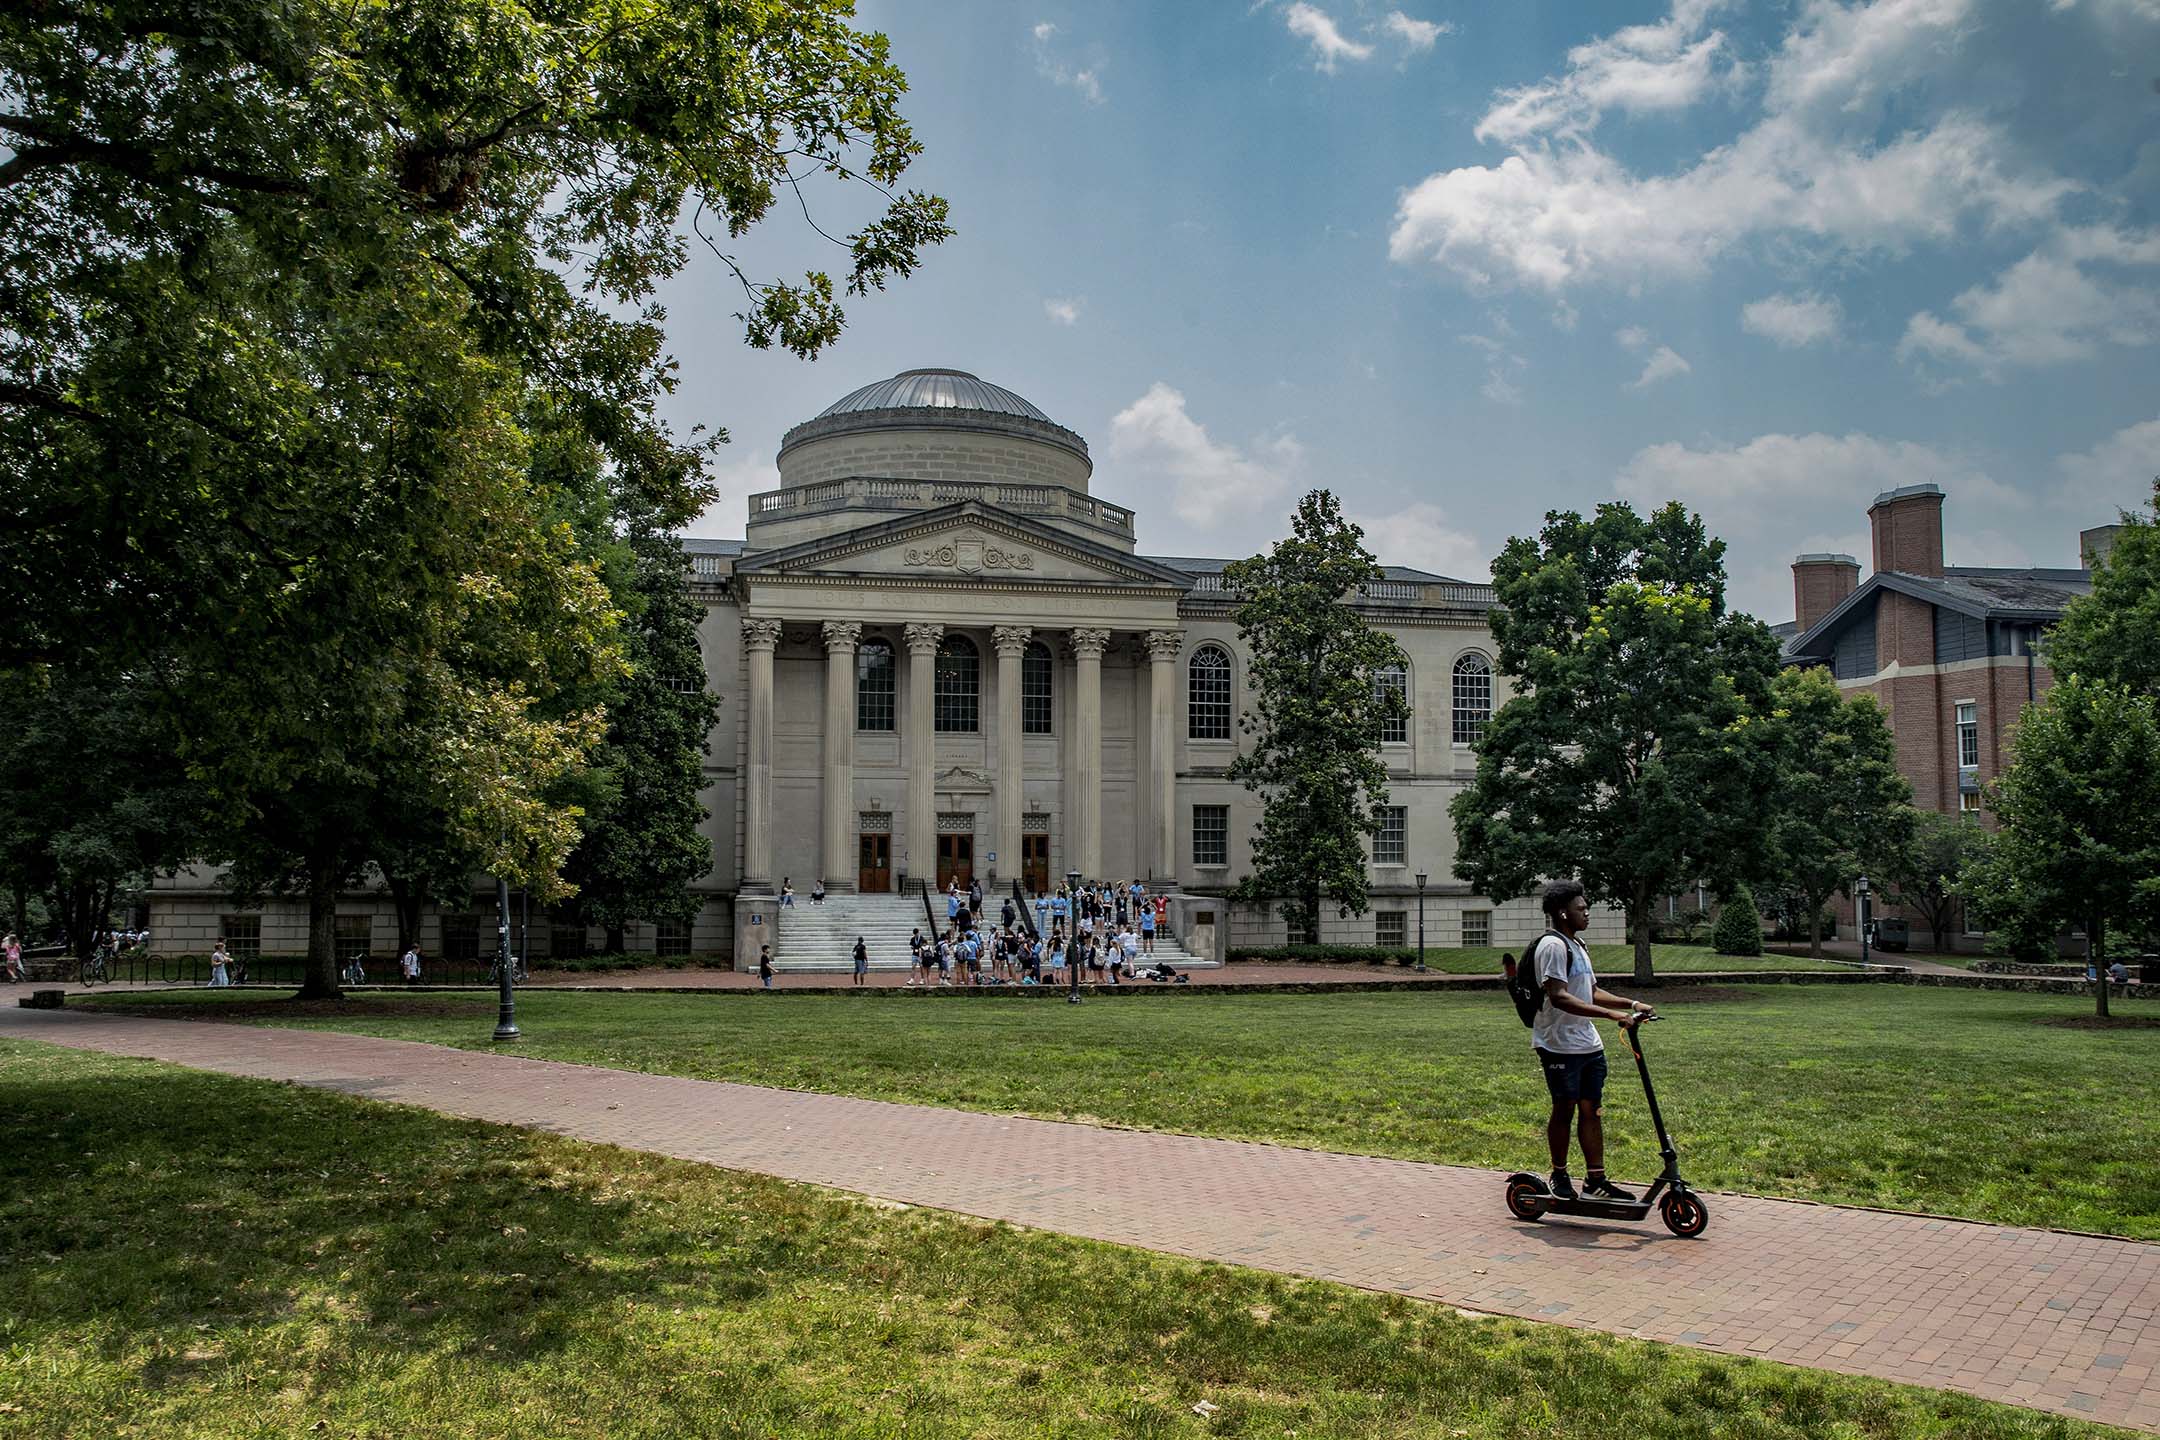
[1503, 367]
[1560, 211]
[1318, 28]
[1208, 481]
[1666, 66]
[2118, 471]
[1422, 536]
[1087, 82]
[1417, 36]
[1664, 363]
[1064, 312]
[1792, 321]
[2063, 302]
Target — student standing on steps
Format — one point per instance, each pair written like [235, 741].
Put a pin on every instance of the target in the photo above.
[862, 961]
[1565, 1036]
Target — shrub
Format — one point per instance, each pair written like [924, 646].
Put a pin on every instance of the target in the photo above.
[1739, 927]
[1327, 954]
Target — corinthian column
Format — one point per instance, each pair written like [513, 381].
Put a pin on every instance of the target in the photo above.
[760, 638]
[1163, 648]
[922, 644]
[1084, 804]
[840, 638]
[1011, 642]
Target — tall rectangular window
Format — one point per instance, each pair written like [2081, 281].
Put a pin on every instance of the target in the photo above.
[1476, 929]
[1211, 835]
[243, 936]
[671, 937]
[874, 685]
[1395, 729]
[1207, 694]
[1391, 928]
[1968, 734]
[1391, 845]
[1037, 670]
[1968, 802]
[355, 935]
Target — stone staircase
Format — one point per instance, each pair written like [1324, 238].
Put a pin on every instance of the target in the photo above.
[820, 939]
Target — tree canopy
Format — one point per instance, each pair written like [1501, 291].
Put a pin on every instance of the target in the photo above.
[1629, 755]
[2113, 634]
[1317, 713]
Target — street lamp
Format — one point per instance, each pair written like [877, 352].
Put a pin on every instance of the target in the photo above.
[506, 1013]
[1421, 922]
[1072, 953]
[1860, 910]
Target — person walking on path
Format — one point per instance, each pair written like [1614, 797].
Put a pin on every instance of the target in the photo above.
[1565, 1038]
[220, 976]
[862, 961]
[764, 966]
[409, 964]
[13, 956]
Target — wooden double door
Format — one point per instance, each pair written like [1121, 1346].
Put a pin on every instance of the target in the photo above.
[955, 860]
[874, 873]
[1035, 863]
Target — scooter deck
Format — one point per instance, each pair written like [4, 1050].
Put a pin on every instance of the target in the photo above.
[1603, 1209]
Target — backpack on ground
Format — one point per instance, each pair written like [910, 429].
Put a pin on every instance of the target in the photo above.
[1522, 981]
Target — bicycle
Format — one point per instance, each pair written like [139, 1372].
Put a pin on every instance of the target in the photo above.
[519, 973]
[355, 971]
[98, 966]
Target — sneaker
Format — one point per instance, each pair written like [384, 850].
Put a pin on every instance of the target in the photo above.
[1561, 1187]
[1597, 1187]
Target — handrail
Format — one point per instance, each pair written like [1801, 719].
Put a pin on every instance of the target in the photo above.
[928, 913]
[1027, 912]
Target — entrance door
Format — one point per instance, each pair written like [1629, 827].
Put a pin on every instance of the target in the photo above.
[1035, 863]
[874, 874]
[955, 860]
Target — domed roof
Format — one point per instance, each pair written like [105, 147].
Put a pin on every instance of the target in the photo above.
[935, 390]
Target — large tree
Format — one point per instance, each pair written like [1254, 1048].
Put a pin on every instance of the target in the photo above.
[2079, 807]
[643, 845]
[2113, 634]
[300, 303]
[1839, 808]
[1317, 712]
[1924, 876]
[1631, 755]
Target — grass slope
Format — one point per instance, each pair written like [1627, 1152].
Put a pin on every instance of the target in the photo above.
[185, 1255]
[1982, 1104]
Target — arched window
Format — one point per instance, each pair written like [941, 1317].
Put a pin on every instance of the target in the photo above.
[874, 685]
[1395, 729]
[1036, 670]
[1207, 694]
[957, 693]
[1473, 698]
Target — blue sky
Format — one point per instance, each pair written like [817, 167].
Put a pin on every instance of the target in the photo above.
[1464, 264]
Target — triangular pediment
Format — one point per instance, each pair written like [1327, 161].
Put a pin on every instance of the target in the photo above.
[970, 542]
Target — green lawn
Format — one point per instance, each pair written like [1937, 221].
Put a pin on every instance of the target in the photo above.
[1615, 963]
[1970, 1103]
[187, 1255]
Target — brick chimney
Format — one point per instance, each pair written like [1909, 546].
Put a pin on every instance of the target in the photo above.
[2096, 546]
[1908, 530]
[1819, 582]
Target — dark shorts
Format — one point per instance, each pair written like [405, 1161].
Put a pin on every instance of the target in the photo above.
[1571, 1078]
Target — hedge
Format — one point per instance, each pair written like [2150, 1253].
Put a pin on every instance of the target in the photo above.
[1327, 954]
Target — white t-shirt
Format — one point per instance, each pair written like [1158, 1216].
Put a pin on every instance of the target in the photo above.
[1556, 1030]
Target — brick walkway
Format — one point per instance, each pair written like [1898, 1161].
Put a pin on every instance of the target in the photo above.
[2060, 1322]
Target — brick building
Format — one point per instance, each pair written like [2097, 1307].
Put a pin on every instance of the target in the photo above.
[1953, 653]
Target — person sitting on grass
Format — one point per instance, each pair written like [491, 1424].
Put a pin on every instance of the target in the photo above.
[1565, 1037]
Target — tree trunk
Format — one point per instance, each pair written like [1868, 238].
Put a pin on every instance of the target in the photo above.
[21, 928]
[614, 940]
[2096, 956]
[405, 903]
[1638, 919]
[1814, 926]
[319, 981]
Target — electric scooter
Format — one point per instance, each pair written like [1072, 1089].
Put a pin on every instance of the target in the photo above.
[1679, 1207]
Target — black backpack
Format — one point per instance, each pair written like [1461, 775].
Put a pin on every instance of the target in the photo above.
[1522, 984]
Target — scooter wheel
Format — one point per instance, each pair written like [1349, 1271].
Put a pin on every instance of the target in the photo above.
[1684, 1214]
[1526, 1199]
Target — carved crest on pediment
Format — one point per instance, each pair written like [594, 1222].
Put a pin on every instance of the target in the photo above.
[968, 556]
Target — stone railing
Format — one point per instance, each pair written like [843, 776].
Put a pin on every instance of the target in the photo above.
[866, 492]
[707, 568]
[1396, 592]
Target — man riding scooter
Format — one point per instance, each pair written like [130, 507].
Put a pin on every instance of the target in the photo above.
[1565, 1038]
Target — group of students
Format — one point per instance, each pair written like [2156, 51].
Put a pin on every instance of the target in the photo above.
[1100, 931]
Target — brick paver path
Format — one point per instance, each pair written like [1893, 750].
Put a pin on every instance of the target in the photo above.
[2056, 1321]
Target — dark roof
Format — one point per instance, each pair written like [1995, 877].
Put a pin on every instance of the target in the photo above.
[1985, 593]
[1196, 566]
[693, 545]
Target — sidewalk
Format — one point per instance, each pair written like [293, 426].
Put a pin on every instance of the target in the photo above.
[2060, 1322]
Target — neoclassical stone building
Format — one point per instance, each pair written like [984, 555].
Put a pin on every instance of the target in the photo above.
[938, 655]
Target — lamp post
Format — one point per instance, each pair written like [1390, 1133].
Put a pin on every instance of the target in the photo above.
[1421, 922]
[1072, 953]
[506, 1013]
[1860, 909]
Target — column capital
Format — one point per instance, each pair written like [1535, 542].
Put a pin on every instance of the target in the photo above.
[923, 639]
[1089, 644]
[760, 634]
[1164, 646]
[1011, 640]
[841, 636]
